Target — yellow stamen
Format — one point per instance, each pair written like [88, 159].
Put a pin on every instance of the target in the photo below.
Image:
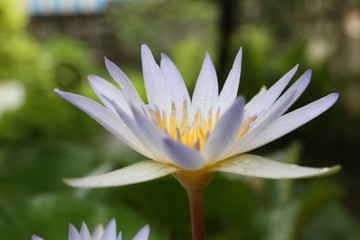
[194, 133]
[245, 127]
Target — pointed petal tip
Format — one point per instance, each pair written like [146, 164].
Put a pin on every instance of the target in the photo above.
[334, 95]
[239, 102]
[106, 60]
[164, 56]
[330, 171]
[238, 58]
[145, 47]
[167, 140]
[306, 77]
[294, 69]
[60, 93]
[112, 221]
[109, 64]
[240, 52]
[207, 55]
[91, 78]
[75, 182]
[308, 72]
[69, 182]
[330, 99]
[35, 237]
[182, 155]
[240, 99]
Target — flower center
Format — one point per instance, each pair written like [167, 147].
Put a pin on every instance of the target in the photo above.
[195, 133]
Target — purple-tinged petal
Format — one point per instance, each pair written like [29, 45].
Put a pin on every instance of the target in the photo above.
[135, 173]
[145, 131]
[143, 234]
[290, 121]
[110, 231]
[267, 98]
[84, 232]
[256, 166]
[34, 237]
[151, 134]
[182, 155]
[229, 92]
[119, 236]
[156, 90]
[129, 91]
[260, 125]
[224, 133]
[206, 89]
[73, 233]
[298, 88]
[104, 88]
[106, 118]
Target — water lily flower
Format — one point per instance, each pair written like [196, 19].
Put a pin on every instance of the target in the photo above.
[100, 234]
[208, 133]
[194, 138]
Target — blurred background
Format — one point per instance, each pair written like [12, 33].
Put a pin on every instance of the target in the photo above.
[47, 44]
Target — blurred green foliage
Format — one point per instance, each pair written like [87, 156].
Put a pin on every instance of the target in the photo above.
[162, 23]
[59, 62]
[48, 139]
[17, 49]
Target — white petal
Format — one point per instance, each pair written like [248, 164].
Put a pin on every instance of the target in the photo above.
[98, 232]
[143, 234]
[261, 91]
[135, 173]
[84, 232]
[104, 88]
[110, 231]
[295, 90]
[129, 91]
[206, 89]
[260, 125]
[231, 86]
[147, 133]
[267, 98]
[293, 120]
[182, 155]
[119, 236]
[256, 166]
[106, 118]
[156, 90]
[152, 135]
[34, 237]
[175, 84]
[73, 233]
[225, 132]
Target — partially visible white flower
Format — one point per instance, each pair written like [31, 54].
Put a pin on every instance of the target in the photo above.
[100, 234]
[193, 139]
[12, 96]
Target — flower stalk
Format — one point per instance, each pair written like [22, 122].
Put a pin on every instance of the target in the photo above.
[197, 215]
[195, 183]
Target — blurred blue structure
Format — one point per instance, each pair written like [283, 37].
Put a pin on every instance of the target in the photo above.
[65, 7]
